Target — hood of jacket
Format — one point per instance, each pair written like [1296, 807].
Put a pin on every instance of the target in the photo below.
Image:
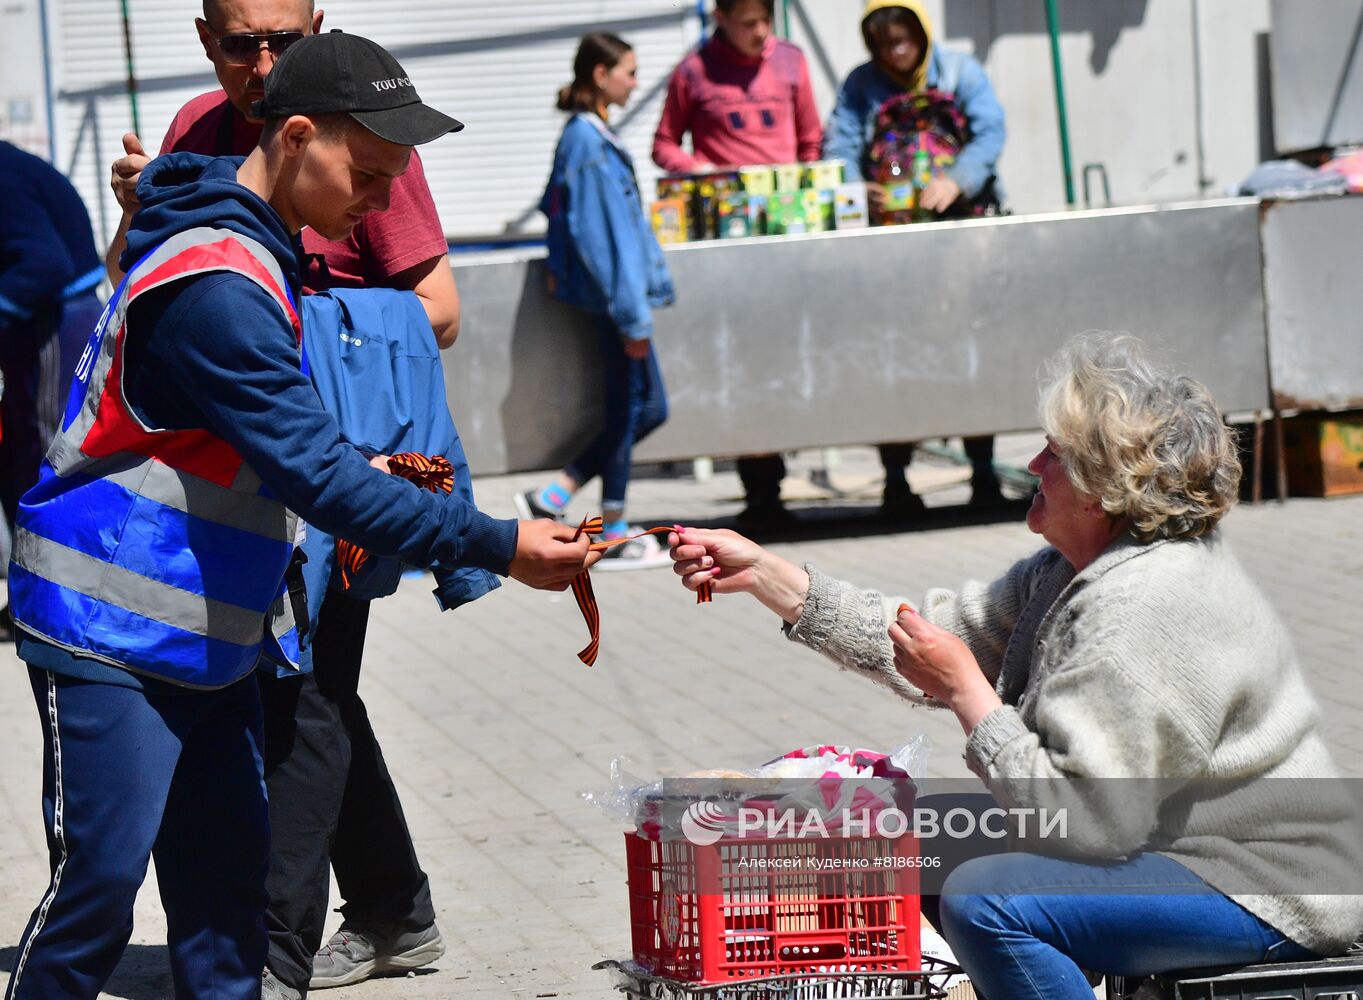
[182, 191]
[919, 81]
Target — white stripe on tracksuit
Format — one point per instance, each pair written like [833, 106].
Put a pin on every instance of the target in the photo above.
[59, 834]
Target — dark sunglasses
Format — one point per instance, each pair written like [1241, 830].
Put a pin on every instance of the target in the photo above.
[242, 49]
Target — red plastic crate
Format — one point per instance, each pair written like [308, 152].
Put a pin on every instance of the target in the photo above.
[725, 912]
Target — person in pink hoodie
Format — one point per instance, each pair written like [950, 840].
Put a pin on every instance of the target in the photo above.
[746, 98]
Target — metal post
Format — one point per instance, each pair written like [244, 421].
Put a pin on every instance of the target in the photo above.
[47, 86]
[1199, 101]
[1058, 75]
[128, 56]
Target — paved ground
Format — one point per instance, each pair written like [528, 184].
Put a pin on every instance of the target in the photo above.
[494, 729]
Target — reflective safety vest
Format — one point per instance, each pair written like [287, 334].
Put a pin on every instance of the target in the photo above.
[159, 551]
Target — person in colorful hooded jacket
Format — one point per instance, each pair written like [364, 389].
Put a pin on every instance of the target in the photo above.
[904, 59]
[155, 560]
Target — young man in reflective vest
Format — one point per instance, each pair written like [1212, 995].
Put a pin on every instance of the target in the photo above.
[151, 561]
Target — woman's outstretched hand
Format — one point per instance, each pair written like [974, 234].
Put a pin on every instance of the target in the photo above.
[724, 559]
[732, 564]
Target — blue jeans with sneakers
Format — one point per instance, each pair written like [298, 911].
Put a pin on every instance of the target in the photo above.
[1023, 925]
[635, 405]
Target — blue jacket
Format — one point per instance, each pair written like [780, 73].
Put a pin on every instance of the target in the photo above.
[47, 250]
[377, 370]
[215, 353]
[851, 127]
[603, 256]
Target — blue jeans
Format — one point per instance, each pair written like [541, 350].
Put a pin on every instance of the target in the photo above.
[128, 775]
[635, 405]
[1023, 925]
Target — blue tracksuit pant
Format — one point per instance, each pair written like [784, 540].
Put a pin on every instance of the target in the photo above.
[128, 775]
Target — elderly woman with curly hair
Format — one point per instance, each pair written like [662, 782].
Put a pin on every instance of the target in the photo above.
[1130, 673]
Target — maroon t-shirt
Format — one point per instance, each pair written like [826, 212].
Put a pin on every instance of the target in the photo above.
[383, 244]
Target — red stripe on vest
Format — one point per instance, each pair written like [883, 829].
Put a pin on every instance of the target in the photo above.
[201, 453]
[226, 254]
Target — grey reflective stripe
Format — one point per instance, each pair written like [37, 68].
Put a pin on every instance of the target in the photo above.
[123, 588]
[181, 491]
[94, 391]
[246, 480]
[204, 235]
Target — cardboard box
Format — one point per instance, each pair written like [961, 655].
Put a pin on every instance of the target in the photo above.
[825, 175]
[849, 207]
[757, 214]
[758, 181]
[733, 221]
[816, 219]
[789, 176]
[785, 213]
[669, 219]
[1324, 454]
[676, 186]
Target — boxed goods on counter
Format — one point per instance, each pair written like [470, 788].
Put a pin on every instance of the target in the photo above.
[849, 207]
[825, 175]
[789, 176]
[732, 219]
[760, 181]
[750, 201]
[817, 220]
[669, 219]
[786, 214]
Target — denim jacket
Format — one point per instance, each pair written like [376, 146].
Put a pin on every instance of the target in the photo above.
[852, 125]
[603, 257]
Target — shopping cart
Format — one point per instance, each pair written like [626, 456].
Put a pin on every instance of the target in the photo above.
[927, 983]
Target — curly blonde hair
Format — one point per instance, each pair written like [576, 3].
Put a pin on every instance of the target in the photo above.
[1150, 446]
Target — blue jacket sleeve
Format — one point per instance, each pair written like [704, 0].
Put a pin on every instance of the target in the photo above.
[978, 161]
[34, 263]
[606, 236]
[220, 355]
[844, 137]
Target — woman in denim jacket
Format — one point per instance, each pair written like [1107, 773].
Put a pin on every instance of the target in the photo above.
[604, 260]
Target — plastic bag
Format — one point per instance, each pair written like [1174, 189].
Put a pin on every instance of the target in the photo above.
[837, 783]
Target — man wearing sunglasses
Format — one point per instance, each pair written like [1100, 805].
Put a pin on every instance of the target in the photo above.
[403, 247]
[389, 914]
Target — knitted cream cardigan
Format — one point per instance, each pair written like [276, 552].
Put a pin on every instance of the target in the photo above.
[1162, 670]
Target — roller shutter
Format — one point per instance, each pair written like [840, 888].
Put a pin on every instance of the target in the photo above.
[496, 66]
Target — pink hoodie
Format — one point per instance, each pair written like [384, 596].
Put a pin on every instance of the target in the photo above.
[739, 110]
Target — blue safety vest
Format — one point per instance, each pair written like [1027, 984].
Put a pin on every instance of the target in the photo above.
[159, 551]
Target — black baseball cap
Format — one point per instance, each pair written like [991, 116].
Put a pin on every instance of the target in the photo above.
[337, 73]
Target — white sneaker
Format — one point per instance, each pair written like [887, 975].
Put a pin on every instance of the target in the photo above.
[644, 552]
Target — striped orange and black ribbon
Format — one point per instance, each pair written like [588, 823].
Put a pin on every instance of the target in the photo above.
[582, 584]
[432, 473]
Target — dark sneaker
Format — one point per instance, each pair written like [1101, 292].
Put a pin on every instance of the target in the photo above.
[644, 552]
[272, 989]
[353, 955]
[528, 506]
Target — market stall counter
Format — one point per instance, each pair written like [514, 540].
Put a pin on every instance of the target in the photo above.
[893, 333]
